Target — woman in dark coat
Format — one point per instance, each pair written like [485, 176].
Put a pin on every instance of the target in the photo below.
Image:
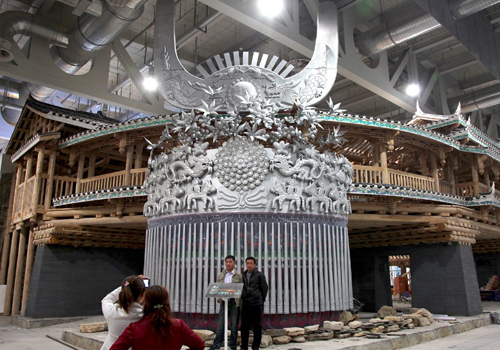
[157, 330]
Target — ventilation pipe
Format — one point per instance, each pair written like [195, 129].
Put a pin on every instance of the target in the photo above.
[484, 98]
[89, 35]
[464, 8]
[411, 21]
[7, 90]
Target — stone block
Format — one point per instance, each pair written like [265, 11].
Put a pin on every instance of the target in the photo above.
[319, 336]
[299, 339]
[294, 331]
[284, 339]
[393, 328]
[333, 326]
[311, 328]
[376, 320]
[379, 329]
[355, 324]
[275, 332]
[426, 313]
[266, 341]
[94, 327]
[386, 311]
[205, 334]
[359, 334]
[346, 317]
[394, 318]
[422, 322]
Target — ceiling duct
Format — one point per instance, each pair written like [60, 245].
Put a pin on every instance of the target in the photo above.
[479, 99]
[464, 8]
[410, 21]
[89, 35]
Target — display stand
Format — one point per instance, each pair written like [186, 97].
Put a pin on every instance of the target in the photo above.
[225, 291]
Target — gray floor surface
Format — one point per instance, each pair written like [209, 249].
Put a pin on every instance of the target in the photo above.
[16, 338]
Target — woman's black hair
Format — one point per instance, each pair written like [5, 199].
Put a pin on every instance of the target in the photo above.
[132, 288]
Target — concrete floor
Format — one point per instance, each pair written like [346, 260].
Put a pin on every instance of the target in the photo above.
[483, 338]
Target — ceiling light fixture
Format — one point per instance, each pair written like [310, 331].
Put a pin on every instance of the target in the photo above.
[270, 8]
[150, 83]
[413, 90]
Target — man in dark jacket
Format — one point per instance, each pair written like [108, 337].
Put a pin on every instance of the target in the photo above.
[254, 295]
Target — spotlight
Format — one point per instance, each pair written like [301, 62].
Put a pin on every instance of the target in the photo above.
[150, 83]
[270, 8]
[413, 90]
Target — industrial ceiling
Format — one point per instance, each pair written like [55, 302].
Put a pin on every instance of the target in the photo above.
[94, 55]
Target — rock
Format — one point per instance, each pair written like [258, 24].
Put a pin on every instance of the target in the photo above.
[346, 328]
[346, 317]
[342, 335]
[360, 334]
[414, 315]
[275, 332]
[205, 334]
[386, 311]
[294, 331]
[311, 328]
[319, 336]
[209, 343]
[427, 314]
[379, 329]
[94, 327]
[266, 341]
[355, 324]
[422, 322]
[299, 339]
[333, 326]
[284, 339]
[410, 326]
[394, 318]
[376, 320]
[407, 321]
[393, 328]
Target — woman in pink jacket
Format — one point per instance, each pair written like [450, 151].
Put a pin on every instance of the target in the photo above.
[157, 330]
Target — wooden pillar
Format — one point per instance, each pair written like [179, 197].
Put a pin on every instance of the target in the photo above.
[138, 156]
[29, 168]
[5, 256]
[50, 181]
[92, 161]
[423, 164]
[30, 257]
[38, 181]
[452, 178]
[434, 172]
[375, 153]
[383, 162]
[128, 165]
[79, 174]
[21, 258]
[475, 178]
[11, 273]
[486, 178]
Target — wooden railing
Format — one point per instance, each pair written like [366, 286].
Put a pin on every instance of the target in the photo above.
[466, 189]
[400, 178]
[368, 174]
[446, 187]
[101, 182]
[63, 186]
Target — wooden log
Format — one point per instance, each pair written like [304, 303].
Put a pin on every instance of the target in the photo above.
[5, 257]
[50, 181]
[105, 221]
[11, 273]
[128, 165]
[21, 259]
[79, 174]
[30, 257]
[38, 177]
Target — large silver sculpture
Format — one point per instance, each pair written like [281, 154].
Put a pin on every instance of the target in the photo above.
[247, 180]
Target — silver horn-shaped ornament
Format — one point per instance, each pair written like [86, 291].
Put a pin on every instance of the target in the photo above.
[236, 81]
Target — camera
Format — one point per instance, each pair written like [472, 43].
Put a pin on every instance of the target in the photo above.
[146, 282]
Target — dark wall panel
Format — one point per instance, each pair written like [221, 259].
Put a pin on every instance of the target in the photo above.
[69, 281]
